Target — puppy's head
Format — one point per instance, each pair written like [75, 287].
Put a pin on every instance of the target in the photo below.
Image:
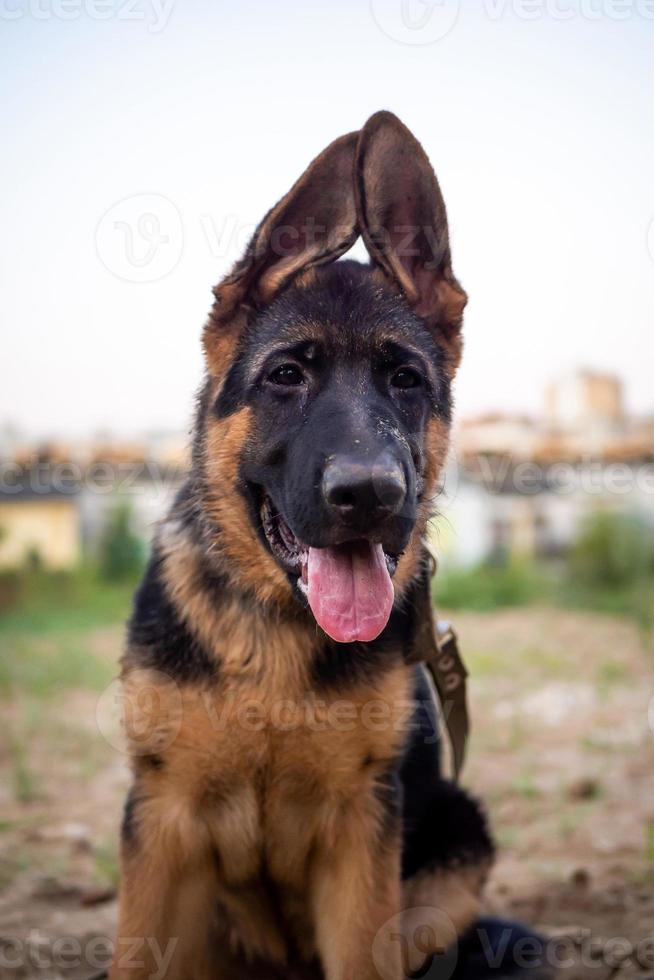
[325, 418]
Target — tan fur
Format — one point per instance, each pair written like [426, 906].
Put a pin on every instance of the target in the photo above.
[250, 564]
[439, 907]
[219, 339]
[260, 777]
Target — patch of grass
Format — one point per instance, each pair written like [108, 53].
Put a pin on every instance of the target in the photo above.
[507, 837]
[23, 778]
[43, 741]
[517, 734]
[525, 786]
[640, 877]
[488, 663]
[649, 842]
[488, 586]
[609, 569]
[107, 864]
[501, 662]
[46, 633]
[609, 674]
[570, 821]
[612, 551]
[635, 601]
[594, 743]
[48, 602]
[45, 666]
[12, 866]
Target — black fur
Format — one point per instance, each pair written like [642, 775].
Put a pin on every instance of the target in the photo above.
[353, 309]
[157, 632]
[363, 333]
[128, 829]
[443, 826]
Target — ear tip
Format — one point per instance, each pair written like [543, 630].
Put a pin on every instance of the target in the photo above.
[384, 131]
[383, 118]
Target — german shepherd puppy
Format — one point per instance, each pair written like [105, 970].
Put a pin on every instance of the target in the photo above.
[287, 817]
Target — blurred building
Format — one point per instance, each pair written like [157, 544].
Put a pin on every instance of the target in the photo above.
[522, 486]
[586, 407]
[56, 497]
[42, 527]
[498, 434]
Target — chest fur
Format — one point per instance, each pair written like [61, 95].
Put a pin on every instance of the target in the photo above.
[267, 770]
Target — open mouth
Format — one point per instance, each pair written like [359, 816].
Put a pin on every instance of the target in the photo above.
[348, 586]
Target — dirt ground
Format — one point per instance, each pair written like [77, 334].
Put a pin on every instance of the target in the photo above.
[562, 753]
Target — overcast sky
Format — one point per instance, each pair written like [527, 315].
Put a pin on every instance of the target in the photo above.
[142, 140]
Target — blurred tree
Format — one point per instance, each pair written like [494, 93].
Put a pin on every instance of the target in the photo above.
[612, 551]
[121, 551]
[33, 561]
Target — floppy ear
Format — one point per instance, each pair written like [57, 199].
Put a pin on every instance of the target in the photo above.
[314, 223]
[403, 222]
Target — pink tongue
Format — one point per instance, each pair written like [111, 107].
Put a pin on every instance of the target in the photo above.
[350, 591]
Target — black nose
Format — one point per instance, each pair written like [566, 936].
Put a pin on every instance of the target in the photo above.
[362, 493]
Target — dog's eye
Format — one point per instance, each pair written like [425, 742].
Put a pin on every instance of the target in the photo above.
[406, 378]
[287, 374]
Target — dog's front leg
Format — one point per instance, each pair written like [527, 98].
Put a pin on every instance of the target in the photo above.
[356, 896]
[166, 896]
